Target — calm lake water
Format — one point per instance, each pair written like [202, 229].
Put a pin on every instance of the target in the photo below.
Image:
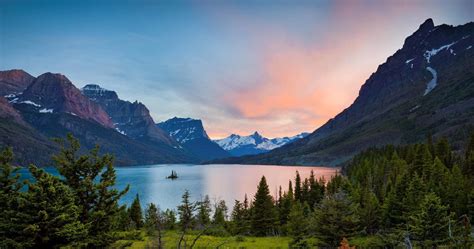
[220, 182]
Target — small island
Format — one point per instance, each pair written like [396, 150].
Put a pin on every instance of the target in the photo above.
[173, 175]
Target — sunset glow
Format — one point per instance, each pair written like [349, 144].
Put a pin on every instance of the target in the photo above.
[280, 69]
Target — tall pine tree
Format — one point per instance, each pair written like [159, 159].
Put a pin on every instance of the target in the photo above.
[263, 211]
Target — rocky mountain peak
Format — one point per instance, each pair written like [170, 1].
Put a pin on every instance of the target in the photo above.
[56, 92]
[14, 81]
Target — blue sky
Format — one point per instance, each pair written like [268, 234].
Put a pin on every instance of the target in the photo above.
[279, 67]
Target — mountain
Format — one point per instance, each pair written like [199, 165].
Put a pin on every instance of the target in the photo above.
[51, 106]
[55, 93]
[426, 87]
[14, 81]
[131, 119]
[191, 135]
[254, 144]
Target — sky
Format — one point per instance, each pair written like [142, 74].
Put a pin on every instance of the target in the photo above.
[277, 67]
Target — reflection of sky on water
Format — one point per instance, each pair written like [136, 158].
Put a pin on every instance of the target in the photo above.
[220, 182]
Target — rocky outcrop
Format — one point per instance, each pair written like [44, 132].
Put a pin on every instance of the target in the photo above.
[131, 119]
[55, 93]
[190, 133]
[14, 81]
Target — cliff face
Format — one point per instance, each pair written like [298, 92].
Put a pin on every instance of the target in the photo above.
[131, 119]
[55, 93]
[14, 81]
[190, 133]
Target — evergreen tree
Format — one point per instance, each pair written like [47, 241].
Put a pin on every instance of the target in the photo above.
[169, 219]
[263, 211]
[13, 219]
[297, 225]
[220, 213]
[53, 214]
[422, 161]
[203, 218]
[152, 219]
[335, 218]
[91, 178]
[429, 225]
[370, 211]
[444, 152]
[237, 217]
[135, 213]
[185, 211]
[286, 204]
[298, 190]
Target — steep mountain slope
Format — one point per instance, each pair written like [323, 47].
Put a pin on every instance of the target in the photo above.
[14, 81]
[131, 119]
[254, 144]
[52, 107]
[427, 87]
[28, 145]
[55, 93]
[191, 135]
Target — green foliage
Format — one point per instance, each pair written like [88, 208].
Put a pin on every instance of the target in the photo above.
[264, 215]
[429, 225]
[91, 178]
[185, 211]
[220, 214]
[53, 214]
[12, 202]
[335, 218]
[153, 219]
[203, 217]
[135, 213]
[297, 224]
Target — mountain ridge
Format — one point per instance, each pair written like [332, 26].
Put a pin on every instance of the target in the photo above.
[396, 104]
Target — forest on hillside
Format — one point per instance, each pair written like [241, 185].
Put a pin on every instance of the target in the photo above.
[418, 195]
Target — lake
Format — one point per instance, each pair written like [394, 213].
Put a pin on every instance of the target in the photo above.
[220, 182]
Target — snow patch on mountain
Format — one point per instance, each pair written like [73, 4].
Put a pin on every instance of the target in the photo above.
[46, 110]
[433, 82]
[430, 53]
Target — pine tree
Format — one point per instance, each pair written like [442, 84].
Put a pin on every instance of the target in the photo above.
[152, 218]
[220, 213]
[185, 211]
[335, 218]
[54, 216]
[135, 213]
[91, 177]
[263, 211]
[423, 160]
[444, 153]
[13, 219]
[429, 225]
[237, 218]
[298, 191]
[297, 225]
[203, 217]
[169, 219]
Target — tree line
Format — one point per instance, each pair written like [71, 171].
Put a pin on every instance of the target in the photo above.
[412, 195]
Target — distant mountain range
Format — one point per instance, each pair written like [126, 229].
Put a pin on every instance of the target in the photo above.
[425, 88]
[191, 135]
[36, 109]
[254, 144]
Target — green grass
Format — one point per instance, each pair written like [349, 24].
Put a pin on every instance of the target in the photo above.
[171, 238]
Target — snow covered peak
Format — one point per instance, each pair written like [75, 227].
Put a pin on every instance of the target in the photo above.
[254, 143]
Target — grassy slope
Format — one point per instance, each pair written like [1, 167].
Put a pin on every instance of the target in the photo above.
[171, 238]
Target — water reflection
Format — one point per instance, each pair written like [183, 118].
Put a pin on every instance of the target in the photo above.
[220, 182]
